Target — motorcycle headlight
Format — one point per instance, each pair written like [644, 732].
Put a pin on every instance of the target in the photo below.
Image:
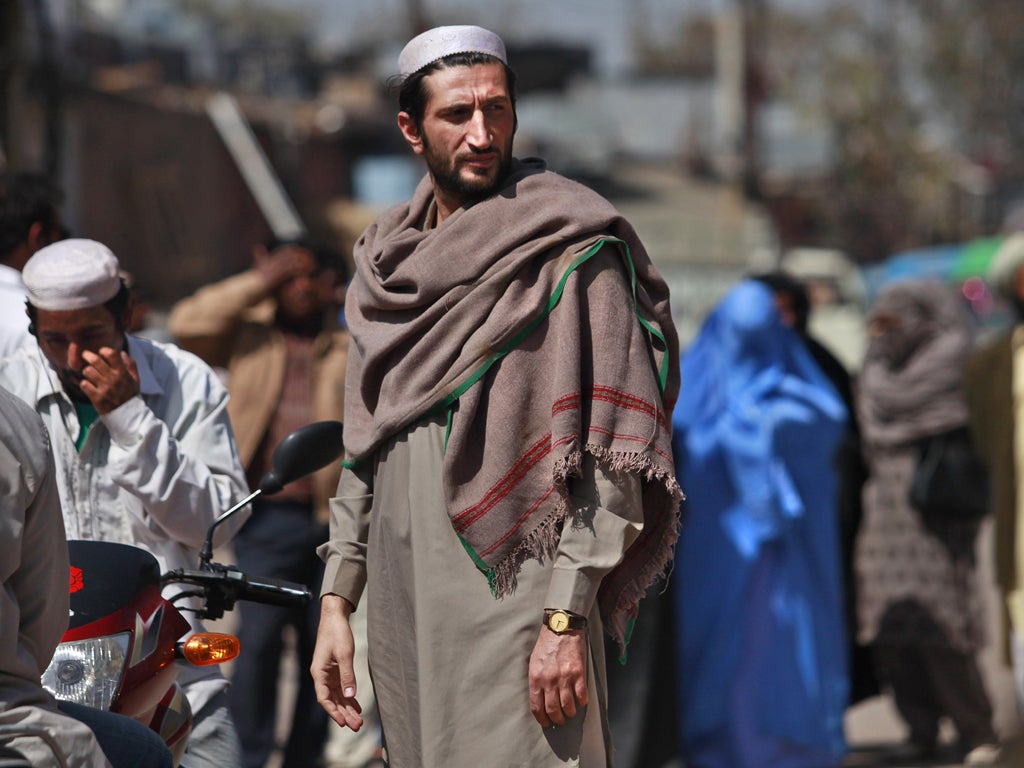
[88, 671]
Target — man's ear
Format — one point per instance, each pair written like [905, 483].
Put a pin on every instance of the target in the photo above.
[410, 132]
[124, 322]
[37, 237]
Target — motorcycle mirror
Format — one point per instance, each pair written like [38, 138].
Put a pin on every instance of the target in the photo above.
[305, 450]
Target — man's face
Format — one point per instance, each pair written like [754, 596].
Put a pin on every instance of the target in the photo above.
[467, 132]
[784, 304]
[307, 293]
[63, 336]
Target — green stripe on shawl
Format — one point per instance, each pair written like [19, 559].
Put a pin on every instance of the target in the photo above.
[556, 295]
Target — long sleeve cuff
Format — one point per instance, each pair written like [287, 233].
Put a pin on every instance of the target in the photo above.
[611, 513]
[344, 553]
[125, 423]
[344, 578]
[572, 590]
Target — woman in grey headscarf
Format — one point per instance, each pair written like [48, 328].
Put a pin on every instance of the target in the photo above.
[917, 599]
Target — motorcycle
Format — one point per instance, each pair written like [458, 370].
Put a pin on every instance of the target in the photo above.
[124, 636]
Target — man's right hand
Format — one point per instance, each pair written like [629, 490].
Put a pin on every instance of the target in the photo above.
[280, 265]
[333, 678]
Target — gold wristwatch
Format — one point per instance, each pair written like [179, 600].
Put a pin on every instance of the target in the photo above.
[560, 622]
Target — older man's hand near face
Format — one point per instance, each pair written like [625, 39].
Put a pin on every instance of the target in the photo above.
[282, 264]
[110, 378]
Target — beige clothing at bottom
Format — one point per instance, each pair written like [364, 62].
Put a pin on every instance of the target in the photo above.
[450, 663]
[73, 739]
[33, 591]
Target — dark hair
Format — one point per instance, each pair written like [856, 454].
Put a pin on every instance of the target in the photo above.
[783, 283]
[117, 304]
[412, 95]
[25, 199]
[327, 258]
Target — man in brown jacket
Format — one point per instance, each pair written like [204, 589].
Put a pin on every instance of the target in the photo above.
[274, 328]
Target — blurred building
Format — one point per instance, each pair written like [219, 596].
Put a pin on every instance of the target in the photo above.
[147, 172]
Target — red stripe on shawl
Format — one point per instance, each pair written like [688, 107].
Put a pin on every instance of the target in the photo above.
[632, 438]
[629, 402]
[566, 403]
[519, 522]
[616, 397]
[500, 489]
[533, 455]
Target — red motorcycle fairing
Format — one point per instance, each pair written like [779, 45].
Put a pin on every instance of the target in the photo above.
[106, 577]
[116, 588]
[172, 719]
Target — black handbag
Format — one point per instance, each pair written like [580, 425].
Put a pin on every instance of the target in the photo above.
[950, 481]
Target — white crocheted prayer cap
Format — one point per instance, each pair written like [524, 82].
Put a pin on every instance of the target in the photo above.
[435, 44]
[71, 274]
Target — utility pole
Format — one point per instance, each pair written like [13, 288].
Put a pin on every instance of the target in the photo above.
[755, 30]
[417, 17]
[21, 57]
[11, 34]
[51, 90]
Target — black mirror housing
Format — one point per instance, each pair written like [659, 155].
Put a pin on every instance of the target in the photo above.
[302, 452]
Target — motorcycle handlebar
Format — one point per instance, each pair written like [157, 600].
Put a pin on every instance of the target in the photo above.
[262, 589]
[222, 586]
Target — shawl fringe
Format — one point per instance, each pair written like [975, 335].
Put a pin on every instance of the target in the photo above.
[617, 611]
[540, 544]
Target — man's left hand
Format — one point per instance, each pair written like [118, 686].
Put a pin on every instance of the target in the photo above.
[558, 676]
[110, 378]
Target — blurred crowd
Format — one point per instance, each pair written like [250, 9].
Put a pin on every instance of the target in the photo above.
[828, 548]
[837, 515]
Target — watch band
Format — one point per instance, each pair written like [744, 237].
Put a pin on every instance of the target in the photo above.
[560, 622]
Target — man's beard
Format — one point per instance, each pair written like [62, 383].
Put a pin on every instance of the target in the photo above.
[71, 380]
[445, 173]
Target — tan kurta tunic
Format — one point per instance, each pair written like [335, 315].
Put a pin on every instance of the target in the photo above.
[450, 662]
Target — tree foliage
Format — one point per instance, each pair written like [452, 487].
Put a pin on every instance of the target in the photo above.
[924, 104]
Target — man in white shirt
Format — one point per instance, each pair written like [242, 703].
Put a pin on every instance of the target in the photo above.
[143, 447]
[29, 220]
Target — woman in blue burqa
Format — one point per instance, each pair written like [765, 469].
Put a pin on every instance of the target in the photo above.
[761, 654]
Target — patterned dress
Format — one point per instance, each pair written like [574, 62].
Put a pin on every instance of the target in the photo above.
[916, 581]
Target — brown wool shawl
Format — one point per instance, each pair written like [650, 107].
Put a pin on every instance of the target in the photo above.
[536, 320]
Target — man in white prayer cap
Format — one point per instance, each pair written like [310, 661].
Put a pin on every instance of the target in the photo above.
[508, 493]
[143, 447]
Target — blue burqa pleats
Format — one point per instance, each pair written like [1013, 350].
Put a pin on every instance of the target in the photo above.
[761, 652]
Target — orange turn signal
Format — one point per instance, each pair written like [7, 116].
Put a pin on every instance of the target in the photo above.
[205, 648]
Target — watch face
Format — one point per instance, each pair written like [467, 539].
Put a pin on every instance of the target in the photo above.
[558, 622]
